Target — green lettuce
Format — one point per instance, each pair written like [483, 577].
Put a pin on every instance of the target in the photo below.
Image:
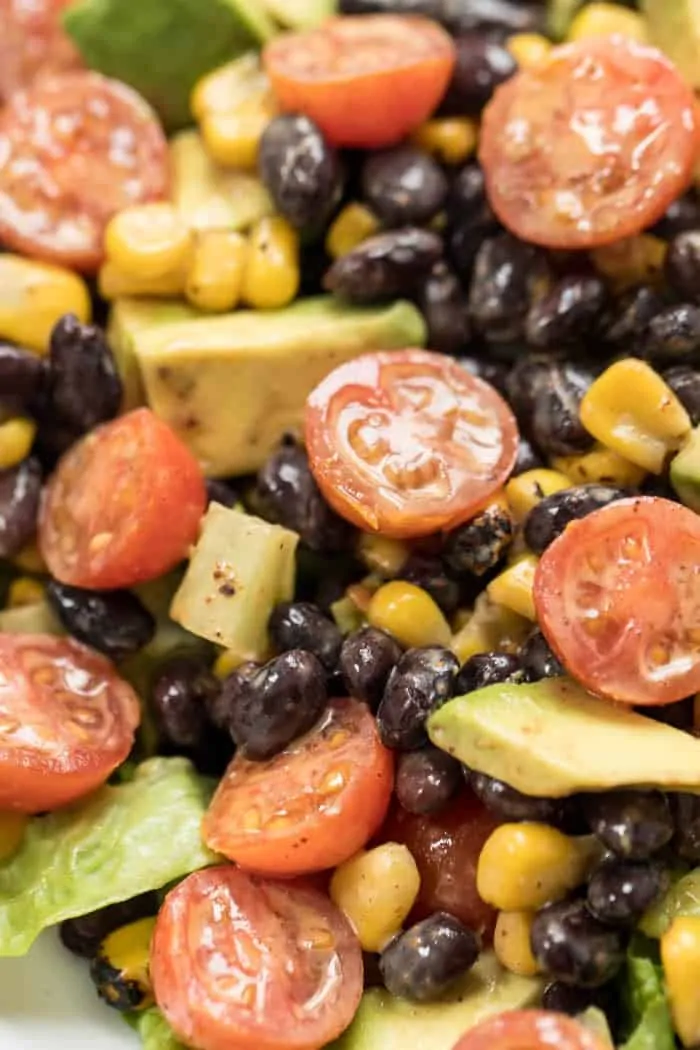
[154, 1030]
[122, 841]
[683, 898]
[649, 1023]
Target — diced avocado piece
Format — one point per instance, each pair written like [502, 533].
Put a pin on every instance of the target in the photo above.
[231, 386]
[37, 618]
[239, 570]
[129, 316]
[553, 738]
[596, 1022]
[162, 47]
[385, 1023]
[300, 14]
[681, 900]
[560, 15]
[674, 27]
[210, 197]
[685, 472]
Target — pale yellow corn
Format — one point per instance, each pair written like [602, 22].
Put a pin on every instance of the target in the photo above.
[600, 465]
[381, 554]
[602, 19]
[353, 225]
[451, 140]
[271, 273]
[489, 627]
[680, 956]
[511, 943]
[25, 591]
[29, 559]
[16, 439]
[376, 890]
[408, 613]
[526, 490]
[148, 241]
[528, 49]
[630, 262]
[114, 283]
[224, 88]
[215, 277]
[34, 296]
[232, 139]
[513, 588]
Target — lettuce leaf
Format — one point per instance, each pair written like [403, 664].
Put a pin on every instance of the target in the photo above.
[683, 898]
[154, 1030]
[122, 841]
[649, 1023]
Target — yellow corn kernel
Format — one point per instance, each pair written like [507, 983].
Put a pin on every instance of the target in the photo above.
[232, 139]
[16, 439]
[271, 272]
[528, 49]
[25, 591]
[524, 866]
[514, 587]
[216, 274]
[630, 409]
[630, 262]
[409, 614]
[221, 90]
[381, 554]
[227, 662]
[12, 828]
[33, 296]
[353, 225]
[121, 967]
[511, 943]
[526, 490]
[148, 241]
[489, 627]
[600, 465]
[601, 19]
[29, 559]
[451, 140]
[115, 283]
[680, 956]
[376, 890]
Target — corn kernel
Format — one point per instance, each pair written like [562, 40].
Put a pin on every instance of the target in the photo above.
[25, 591]
[271, 272]
[511, 943]
[526, 490]
[232, 139]
[489, 627]
[600, 465]
[221, 90]
[33, 296]
[227, 662]
[148, 241]
[630, 262]
[216, 275]
[115, 283]
[381, 554]
[376, 890]
[680, 956]
[16, 439]
[29, 559]
[525, 866]
[514, 587]
[451, 140]
[409, 614]
[602, 19]
[12, 828]
[353, 225]
[528, 49]
[630, 409]
[122, 966]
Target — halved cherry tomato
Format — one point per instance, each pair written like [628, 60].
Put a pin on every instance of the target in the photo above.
[242, 963]
[590, 145]
[75, 149]
[313, 805]
[66, 721]
[123, 505]
[529, 1030]
[446, 848]
[367, 81]
[33, 43]
[618, 598]
[407, 442]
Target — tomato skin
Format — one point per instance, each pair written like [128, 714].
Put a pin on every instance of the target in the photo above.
[529, 1030]
[123, 505]
[242, 963]
[407, 442]
[368, 80]
[67, 721]
[327, 794]
[33, 43]
[617, 596]
[590, 146]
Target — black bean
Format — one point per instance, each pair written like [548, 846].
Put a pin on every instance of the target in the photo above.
[469, 219]
[480, 544]
[426, 780]
[383, 267]
[182, 694]
[220, 703]
[444, 305]
[682, 264]
[22, 374]
[509, 275]
[20, 491]
[493, 372]
[403, 186]
[620, 891]
[680, 715]
[278, 704]
[83, 935]
[222, 492]
[686, 813]
[512, 805]
[482, 64]
[633, 824]
[85, 388]
[301, 625]
[422, 681]
[527, 459]
[551, 515]
[682, 214]
[628, 321]
[485, 669]
[555, 426]
[115, 623]
[685, 384]
[538, 660]
[504, 16]
[526, 378]
[422, 964]
[300, 170]
[673, 334]
[428, 572]
[573, 946]
[567, 999]
[567, 314]
[367, 658]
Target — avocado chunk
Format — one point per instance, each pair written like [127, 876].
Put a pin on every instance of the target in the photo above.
[162, 47]
[674, 27]
[560, 15]
[128, 317]
[37, 618]
[385, 1023]
[685, 472]
[553, 738]
[231, 386]
[300, 14]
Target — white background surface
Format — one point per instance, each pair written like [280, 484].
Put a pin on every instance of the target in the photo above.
[48, 1002]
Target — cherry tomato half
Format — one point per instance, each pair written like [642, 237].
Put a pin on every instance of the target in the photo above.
[242, 963]
[590, 145]
[529, 1030]
[367, 81]
[33, 43]
[66, 721]
[313, 805]
[408, 442]
[618, 598]
[123, 505]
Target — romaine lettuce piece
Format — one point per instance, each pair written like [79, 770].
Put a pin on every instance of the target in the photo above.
[154, 1030]
[649, 1023]
[682, 899]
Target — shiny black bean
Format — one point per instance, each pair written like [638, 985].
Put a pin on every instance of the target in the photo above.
[551, 515]
[574, 947]
[300, 170]
[633, 824]
[82, 936]
[673, 334]
[620, 891]
[482, 64]
[429, 573]
[493, 372]
[527, 377]
[115, 623]
[686, 813]
[383, 267]
[278, 704]
[222, 492]
[485, 669]
[682, 214]
[443, 303]
[568, 314]
[20, 491]
[510, 805]
[682, 264]
[527, 459]
[301, 625]
[538, 660]
[555, 426]
[22, 375]
[219, 703]
[367, 658]
[422, 964]
[84, 384]
[504, 16]
[685, 383]
[422, 681]
[480, 544]
[567, 999]
[403, 186]
[509, 275]
[470, 219]
[628, 321]
[182, 694]
[426, 780]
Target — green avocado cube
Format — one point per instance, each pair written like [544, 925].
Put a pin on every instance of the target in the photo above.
[685, 472]
[674, 26]
[300, 14]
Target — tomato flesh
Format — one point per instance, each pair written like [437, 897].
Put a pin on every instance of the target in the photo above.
[33, 43]
[529, 1030]
[242, 963]
[367, 81]
[618, 598]
[123, 505]
[406, 443]
[589, 146]
[313, 805]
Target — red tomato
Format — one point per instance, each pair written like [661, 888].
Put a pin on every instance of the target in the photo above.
[123, 505]
[408, 442]
[590, 145]
[618, 598]
[529, 1030]
[446, 847]
[33, 43]
[367, 81]
[312, 806]
[66, 721]
[241, 963]
[75, 150]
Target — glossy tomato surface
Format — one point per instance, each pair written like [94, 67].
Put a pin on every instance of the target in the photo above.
[529, 1030]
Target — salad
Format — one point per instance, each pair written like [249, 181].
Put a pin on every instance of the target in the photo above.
[350, 517]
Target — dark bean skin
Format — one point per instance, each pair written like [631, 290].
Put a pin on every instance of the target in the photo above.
[115, 623]
[422, 681]
[301, 625]
[443, 303]
[493, 372]
[674, 334]
[574, 947]
[682, 214]
[469, 219]
[504, 16]
[619, 892]
[527, 459]
[685, 384]
[403, 186]
[686, 813]
[22, 374]
[83, 936]
[511, 805]
[219, 705]
[20, 491]
[629, 316]
[367, 658]
[482, 64]
[422, 964]
[480, 544]
[485, 669]
[508, 277]
[633, 824]
[222, 492]
[682, 264]
[555, 427]
[301, 172]
[429, 573]
[426, 780]
[383, 267]
[567, 314]
[567, 999]
[181, 695]
[538, 660]
[80, 360]
[550, 516]
[528, 376]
